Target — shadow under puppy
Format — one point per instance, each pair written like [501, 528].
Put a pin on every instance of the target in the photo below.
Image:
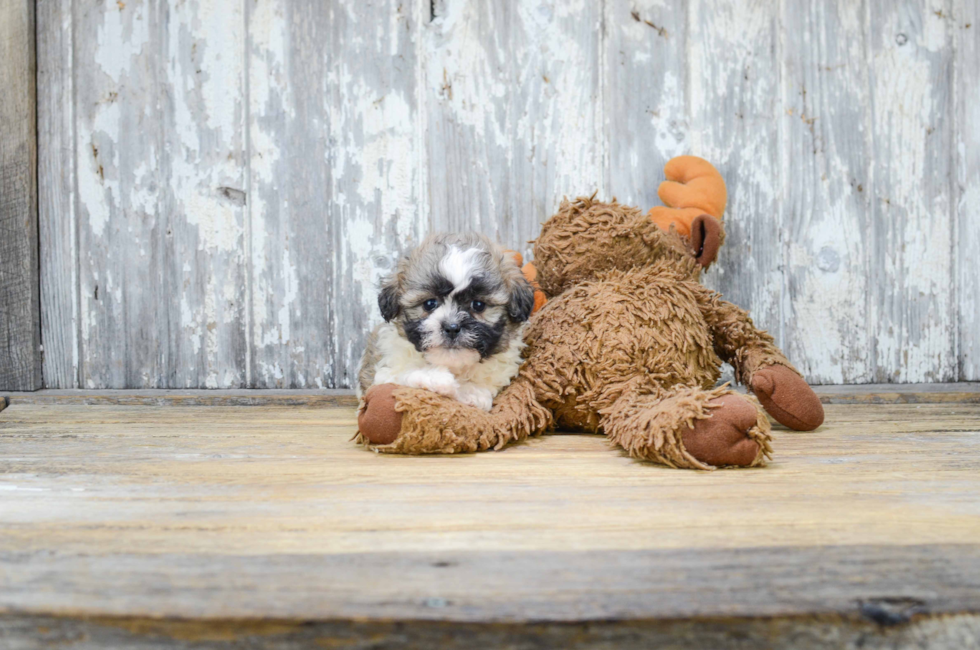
[454, 311]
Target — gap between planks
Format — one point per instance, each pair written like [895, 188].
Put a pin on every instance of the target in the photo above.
[949, 393]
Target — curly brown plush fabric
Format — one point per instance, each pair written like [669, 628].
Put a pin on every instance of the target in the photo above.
[629, 344]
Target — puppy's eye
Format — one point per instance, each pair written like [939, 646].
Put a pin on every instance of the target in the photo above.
[478, 305]
[430, 304]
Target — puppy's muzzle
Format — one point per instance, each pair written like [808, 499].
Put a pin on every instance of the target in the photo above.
[451, 330]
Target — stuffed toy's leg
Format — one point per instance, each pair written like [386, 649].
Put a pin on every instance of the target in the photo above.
[761, 366]
[400, 420]
[689, 427]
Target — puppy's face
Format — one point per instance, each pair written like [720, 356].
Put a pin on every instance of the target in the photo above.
[457, 299]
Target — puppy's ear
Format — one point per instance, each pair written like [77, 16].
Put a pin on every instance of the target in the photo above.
[388, 299]
[521, 300]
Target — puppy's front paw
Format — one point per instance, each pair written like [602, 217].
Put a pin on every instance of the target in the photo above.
[476, 396]
[438, 380]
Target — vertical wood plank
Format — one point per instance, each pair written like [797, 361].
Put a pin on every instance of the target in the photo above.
[735, 103]
[160, 151]
[513, 101]
[377, 201]
[20, 309]
[120, 166]
[966, 89]
[646, 120]
[56, 193]
[828, 191]
[273, 197]
[205, 142]
[334, 176]
[911, 74]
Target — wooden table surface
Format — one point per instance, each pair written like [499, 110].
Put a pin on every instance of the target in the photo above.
[209, 524]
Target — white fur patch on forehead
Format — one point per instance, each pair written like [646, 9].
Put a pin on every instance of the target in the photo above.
[458, 266]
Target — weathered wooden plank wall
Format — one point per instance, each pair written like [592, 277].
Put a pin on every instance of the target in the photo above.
[20, 314]
[56, 196]
[827, 203]
[966, 186]
[222, 183]
[734, 73]
[335, 183]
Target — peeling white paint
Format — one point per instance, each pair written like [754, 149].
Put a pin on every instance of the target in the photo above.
[915, 335]
[829, 182]
[289, 298]
[121, 35]
[246, 173]
[967, 236]
[671, 132]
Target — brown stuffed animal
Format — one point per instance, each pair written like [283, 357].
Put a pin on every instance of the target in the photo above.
[629, 343]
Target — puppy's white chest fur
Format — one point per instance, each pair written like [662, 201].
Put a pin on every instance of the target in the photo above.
[459, 374]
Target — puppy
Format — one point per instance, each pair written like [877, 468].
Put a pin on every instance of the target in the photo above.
[454, 311]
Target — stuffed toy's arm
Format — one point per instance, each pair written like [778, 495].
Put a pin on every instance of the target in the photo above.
[760, 365]
[737, 340]
[400, 420]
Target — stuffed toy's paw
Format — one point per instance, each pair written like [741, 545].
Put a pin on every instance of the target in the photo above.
[378, 421]
[724, 438]
[693, 188]
[787, 398]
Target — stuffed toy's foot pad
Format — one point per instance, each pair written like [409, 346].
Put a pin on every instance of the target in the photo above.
[722, 439]
[378, 421]
[787, 398]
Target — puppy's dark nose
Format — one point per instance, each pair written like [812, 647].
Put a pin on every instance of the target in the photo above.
[451, 329]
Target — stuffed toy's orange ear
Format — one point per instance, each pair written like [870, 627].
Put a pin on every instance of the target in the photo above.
[693, 187]
[531, 275]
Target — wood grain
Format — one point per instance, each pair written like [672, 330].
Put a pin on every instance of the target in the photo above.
[512, 94]
[914, 318]
[231, 397]
[234, 178]
[852, 482]
[555, 586]
[204, 144]
[965, 25]
[798, 633]
[59, 263]
[137, 522]
[645, 83]
[335, 180]
[734, 107]
[159, 176]
[123, 241]
[20, 312]
[827, 207]
[964, 393]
